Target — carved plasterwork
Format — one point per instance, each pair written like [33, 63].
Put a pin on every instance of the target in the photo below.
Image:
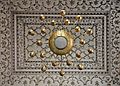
[17, 16]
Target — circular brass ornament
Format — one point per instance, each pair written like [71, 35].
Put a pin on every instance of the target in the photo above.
[44, 68]
[53, 22]
[69, 62]
[31, 32]
[89, 31]
[43, 30]
[42, 54]
[78, 17]
[62, 73]
[90, 51]
[55, 63]
[32, 53]
[80, 66]
[64, 40]
[42, 17]
[39, 42]
[67, 22]
[62, 13]
[78, 55]
[82, 41]
[77, 29]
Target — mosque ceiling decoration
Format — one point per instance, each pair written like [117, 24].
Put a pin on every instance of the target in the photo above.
[60, 43]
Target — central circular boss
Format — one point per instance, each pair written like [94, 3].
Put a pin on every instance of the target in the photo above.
[61, 42]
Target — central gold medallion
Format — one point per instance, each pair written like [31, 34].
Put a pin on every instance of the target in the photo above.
[61, 42]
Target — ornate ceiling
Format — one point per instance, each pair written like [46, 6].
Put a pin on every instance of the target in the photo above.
[30, 57]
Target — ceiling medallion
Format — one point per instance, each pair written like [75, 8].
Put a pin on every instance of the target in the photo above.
[61, 42]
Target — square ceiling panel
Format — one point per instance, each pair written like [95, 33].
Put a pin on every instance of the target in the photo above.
[26, 55]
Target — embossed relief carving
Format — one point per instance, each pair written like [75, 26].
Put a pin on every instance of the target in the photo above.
[27, 58]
